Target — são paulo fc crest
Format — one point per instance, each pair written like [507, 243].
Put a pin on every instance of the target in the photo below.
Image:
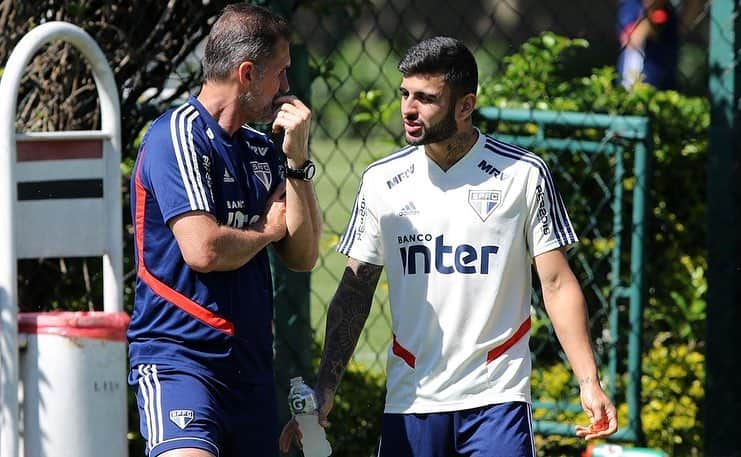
[484, 202]
[181, 417]
[262, 172]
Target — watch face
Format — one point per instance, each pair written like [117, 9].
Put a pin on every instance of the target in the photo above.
[309, 171]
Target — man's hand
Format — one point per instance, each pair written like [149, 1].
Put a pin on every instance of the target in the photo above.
[599, 409]
[273, 222]
[294, 119]
[325, 399]
[292, 434]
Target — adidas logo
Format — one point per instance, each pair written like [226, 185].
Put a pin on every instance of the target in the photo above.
[227, 176]
[408, 210]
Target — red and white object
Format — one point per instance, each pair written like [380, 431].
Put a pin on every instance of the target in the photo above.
[73, 373]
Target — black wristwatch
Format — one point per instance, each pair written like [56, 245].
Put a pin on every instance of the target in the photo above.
[306, 172]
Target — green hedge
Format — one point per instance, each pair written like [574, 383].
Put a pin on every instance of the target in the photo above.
[355, 420]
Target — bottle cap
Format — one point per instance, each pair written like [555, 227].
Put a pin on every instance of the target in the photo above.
[297, 380]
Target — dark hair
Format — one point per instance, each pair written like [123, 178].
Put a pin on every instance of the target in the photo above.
[443, 56]
[242, 32]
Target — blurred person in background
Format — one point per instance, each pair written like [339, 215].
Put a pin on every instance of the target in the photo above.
[649, 33]
[649, 43]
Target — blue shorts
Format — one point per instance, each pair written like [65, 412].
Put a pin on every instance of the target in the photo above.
[501, 430]
[187, 409]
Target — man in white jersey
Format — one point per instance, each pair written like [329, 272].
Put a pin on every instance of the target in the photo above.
[457, 218]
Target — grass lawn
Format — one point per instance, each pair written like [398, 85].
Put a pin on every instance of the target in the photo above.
[340, 164]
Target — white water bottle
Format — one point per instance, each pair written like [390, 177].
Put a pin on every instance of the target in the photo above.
[303, 405]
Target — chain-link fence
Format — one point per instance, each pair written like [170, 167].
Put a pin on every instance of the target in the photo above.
[351, 48]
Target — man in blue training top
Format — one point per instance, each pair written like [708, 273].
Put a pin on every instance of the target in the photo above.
[208, 194]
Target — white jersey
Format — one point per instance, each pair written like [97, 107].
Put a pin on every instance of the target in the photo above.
[457, 247]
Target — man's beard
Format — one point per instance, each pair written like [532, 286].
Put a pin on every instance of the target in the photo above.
[247, 101]
[441, 131]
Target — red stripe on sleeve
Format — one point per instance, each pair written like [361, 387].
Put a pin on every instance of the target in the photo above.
[402, 352]
[499, 350]
[157, 286]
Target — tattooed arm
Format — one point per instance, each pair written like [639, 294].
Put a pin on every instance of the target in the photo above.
[346, 317]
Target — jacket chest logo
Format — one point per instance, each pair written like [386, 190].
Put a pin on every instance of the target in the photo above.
[263, 173]
[484, 202]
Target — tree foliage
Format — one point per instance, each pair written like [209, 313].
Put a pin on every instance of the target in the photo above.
[148, 46]
[144, 43]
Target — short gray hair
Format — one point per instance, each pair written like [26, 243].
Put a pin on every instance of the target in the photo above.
[242, 32]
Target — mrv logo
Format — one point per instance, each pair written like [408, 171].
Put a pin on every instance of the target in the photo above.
[488, 168]
[400, 177]
[448, 259]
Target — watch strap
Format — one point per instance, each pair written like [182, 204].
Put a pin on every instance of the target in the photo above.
[302, 172]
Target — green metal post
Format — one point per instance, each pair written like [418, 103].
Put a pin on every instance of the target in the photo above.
[615, 281]
[637, 291]
[723, 387]
[293, 334]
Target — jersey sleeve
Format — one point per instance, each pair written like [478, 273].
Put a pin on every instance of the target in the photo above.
[178, 167]
[548, 224]
[362, 237]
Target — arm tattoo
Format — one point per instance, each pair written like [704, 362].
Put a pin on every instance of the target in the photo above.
[346, 317]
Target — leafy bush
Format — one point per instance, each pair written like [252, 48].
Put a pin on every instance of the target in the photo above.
[673, 387]
[356, 415]
[555, 384]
